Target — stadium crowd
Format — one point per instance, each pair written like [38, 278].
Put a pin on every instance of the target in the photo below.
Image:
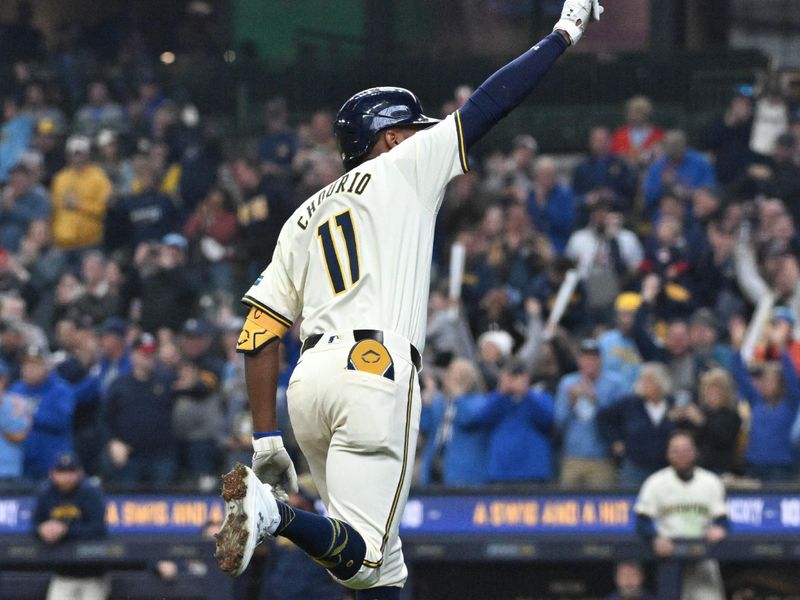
[129, 228]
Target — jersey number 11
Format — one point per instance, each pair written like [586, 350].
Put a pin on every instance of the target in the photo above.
[345, 224]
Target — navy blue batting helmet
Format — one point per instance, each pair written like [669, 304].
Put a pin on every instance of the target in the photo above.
[371, 111]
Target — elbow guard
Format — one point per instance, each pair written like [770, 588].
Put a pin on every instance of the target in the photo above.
[259, 330]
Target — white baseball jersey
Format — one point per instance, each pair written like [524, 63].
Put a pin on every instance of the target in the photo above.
[682, 509]
[357, 254]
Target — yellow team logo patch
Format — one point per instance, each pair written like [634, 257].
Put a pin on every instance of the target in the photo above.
[372, 357]
[65, 512]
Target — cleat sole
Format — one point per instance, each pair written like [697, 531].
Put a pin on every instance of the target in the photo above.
[232, 537]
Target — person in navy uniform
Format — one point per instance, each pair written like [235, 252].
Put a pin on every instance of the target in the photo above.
[71, 508]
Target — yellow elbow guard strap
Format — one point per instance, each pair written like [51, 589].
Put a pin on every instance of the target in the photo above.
[259, 330]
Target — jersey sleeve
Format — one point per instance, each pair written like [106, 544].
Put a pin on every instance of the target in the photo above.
[718, 506]
[431, 158]
[273, 300]
[647, 501]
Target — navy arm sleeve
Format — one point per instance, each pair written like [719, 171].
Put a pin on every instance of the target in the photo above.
[508, 87]
[723, 522]
[645, 527]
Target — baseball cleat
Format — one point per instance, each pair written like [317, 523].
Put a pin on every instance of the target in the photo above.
[251, 515]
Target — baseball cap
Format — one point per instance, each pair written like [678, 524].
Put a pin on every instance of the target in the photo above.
[589, 346]
[175, 239]
[36, 352]
[525, 140]
[67, 461]
[145, 343]
[78, 143]
[516, 367]
[84, 322]
[628, 302]
[116, 325]
[106, 137]
[31, 159]
[502, 340]
[704, 316]
[196, 327]
[783, 313]
[48, 126]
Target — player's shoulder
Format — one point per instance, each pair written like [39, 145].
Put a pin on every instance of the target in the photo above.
[442, 133]
[660, 477]
[708, 477]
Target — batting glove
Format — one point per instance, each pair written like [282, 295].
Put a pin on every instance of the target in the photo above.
[575, 17]
[272, 465]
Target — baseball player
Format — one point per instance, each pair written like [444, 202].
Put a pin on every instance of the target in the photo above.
[687, 502]
[354, 262]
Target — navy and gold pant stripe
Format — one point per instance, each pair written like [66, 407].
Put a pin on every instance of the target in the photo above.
[399, 489]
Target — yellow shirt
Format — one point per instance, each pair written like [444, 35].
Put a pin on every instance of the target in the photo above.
[80, 199]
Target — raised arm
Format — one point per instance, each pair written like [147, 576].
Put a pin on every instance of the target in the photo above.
[750, 281]
[508, 87]
[644, 342]
[790, 380]
[744, 382]
[477, 411]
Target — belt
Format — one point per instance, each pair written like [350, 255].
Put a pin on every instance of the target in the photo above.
[363, 334]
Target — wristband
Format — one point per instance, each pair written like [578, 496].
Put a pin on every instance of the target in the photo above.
[257, 435]
[269, 442]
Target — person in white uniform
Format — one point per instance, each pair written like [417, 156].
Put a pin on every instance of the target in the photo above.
[684, 501]
[354, 262]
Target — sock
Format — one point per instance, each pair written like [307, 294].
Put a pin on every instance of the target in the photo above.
[381, 593]
[330, 542]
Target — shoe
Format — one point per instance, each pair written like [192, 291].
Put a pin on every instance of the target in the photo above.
[251, 515]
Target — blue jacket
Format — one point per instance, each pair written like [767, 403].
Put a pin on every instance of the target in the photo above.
[146, 216]
[645, 443]
[14, 223]
[465, 456]
[95, 385]
[519, 446]
[770, 425]
[52, 404]
[578, 424]
[15, 135]
[620, 355]
[605, 172]
[139, 413]
[694, 172]
[557, 218]
[15, 422]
